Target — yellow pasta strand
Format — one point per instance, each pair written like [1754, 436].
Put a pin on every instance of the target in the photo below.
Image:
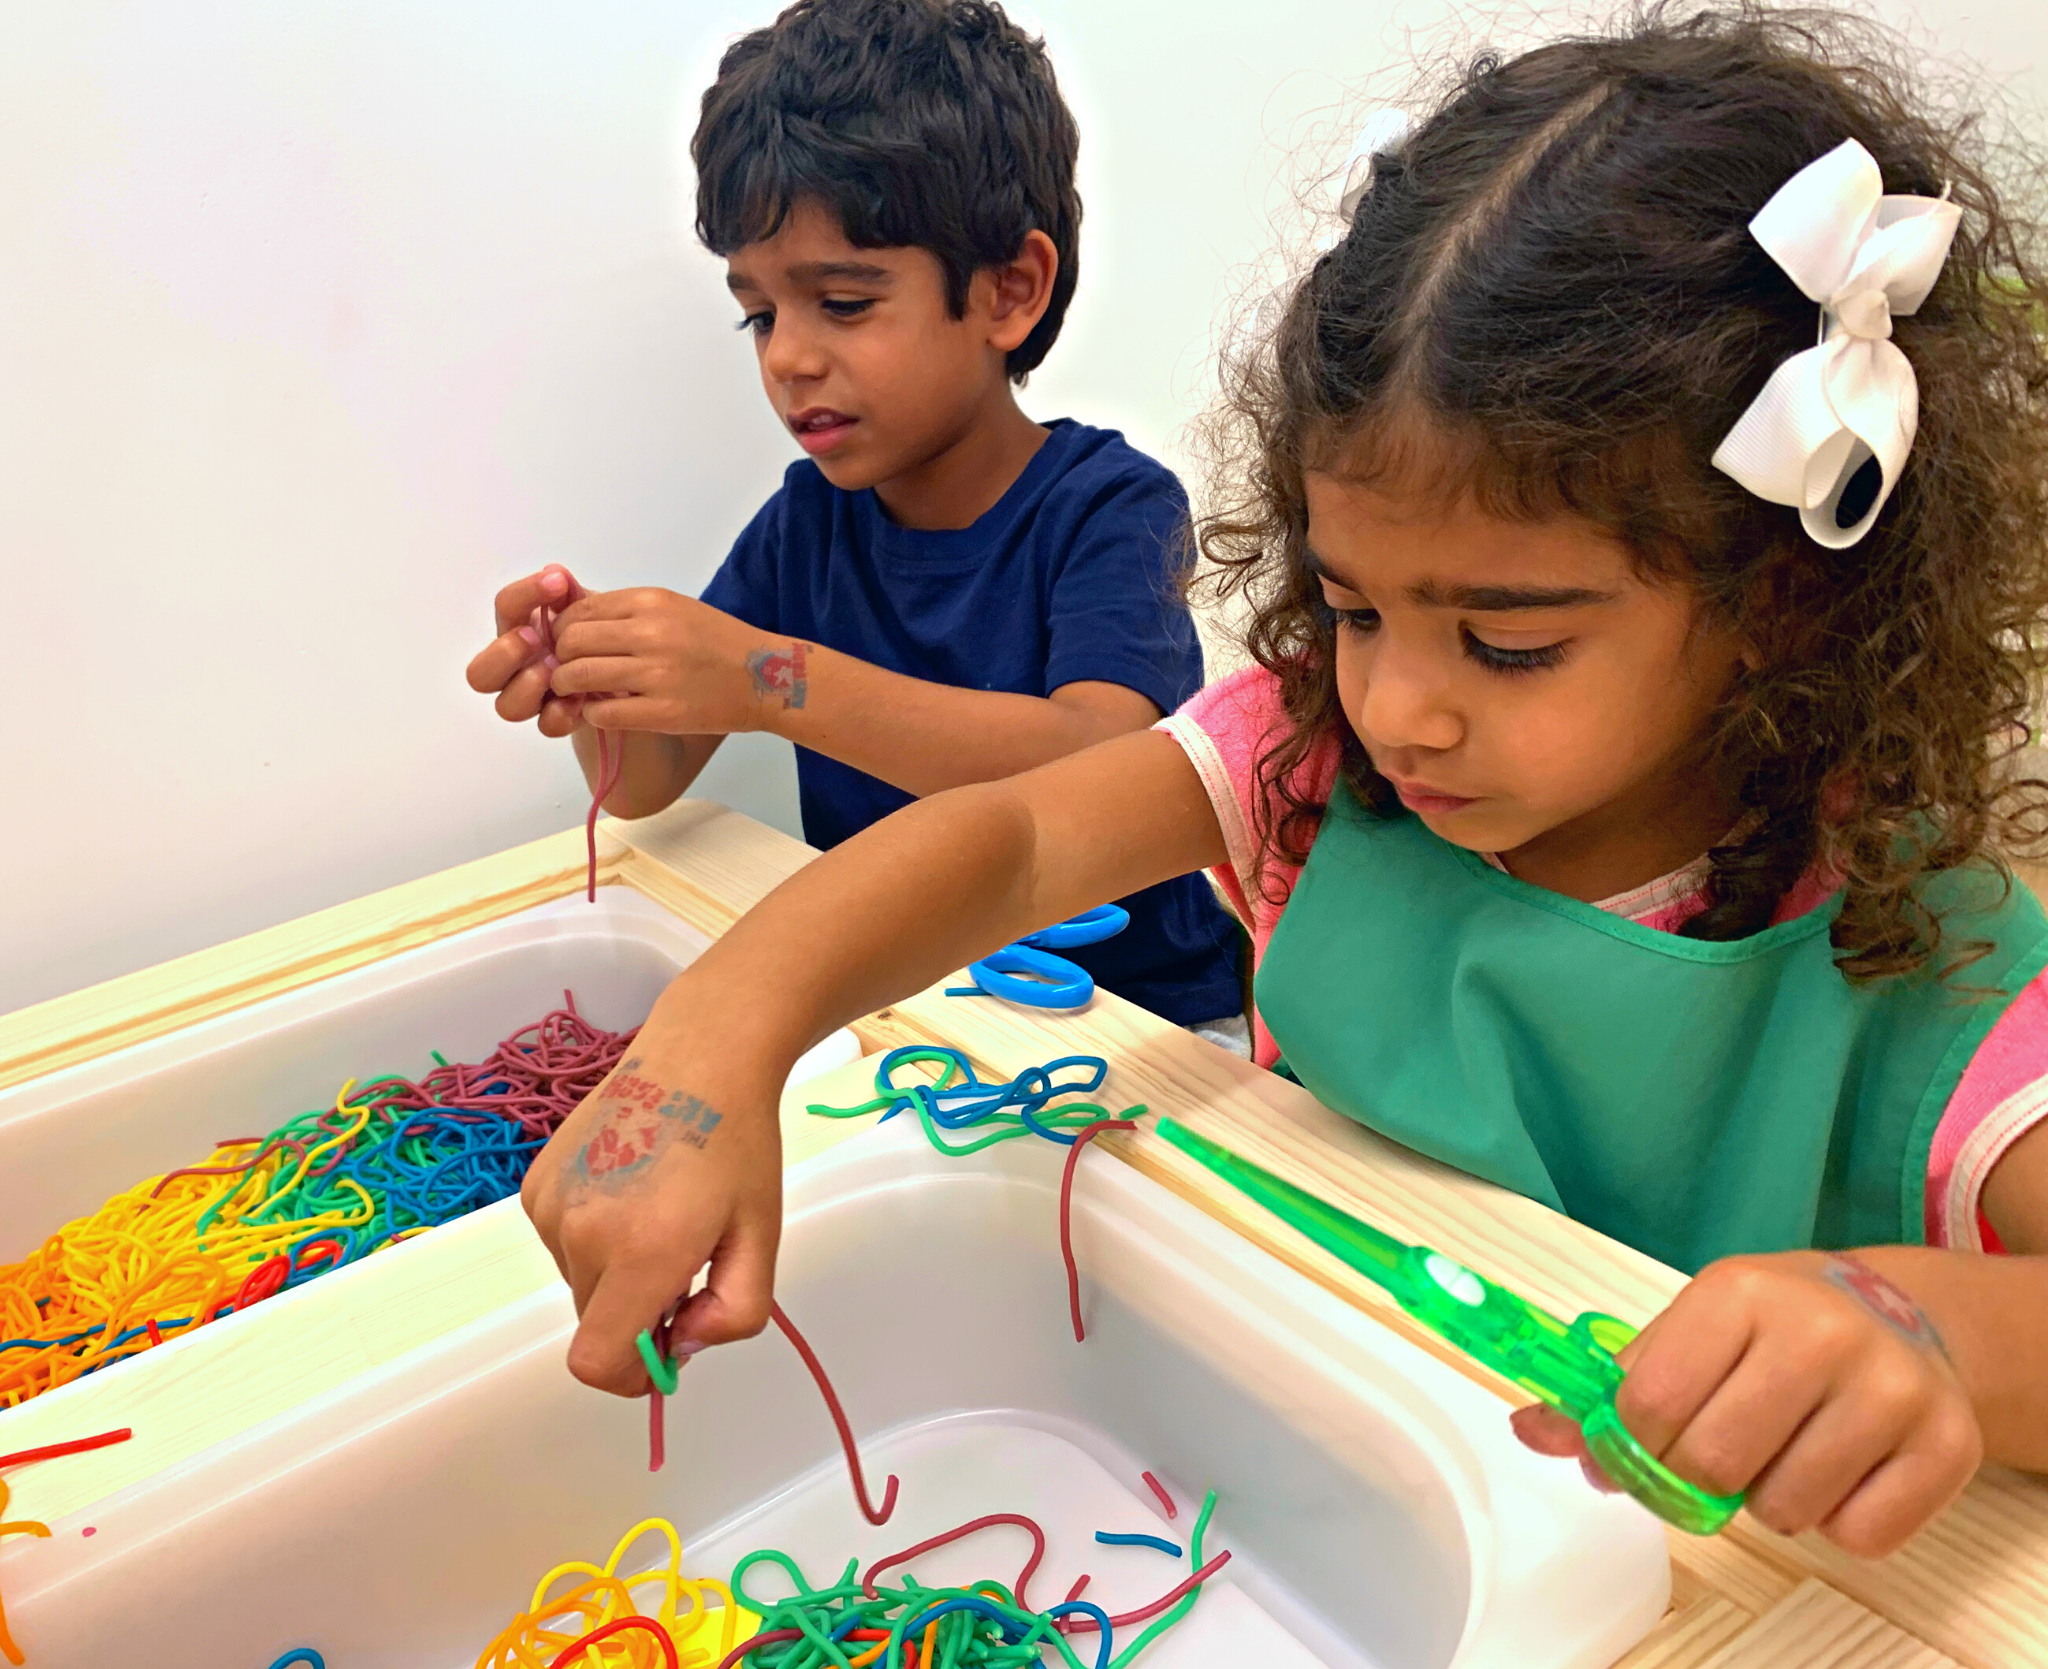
[699, 1614]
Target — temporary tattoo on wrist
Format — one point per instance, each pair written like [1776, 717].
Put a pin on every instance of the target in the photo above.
[637, 1119]
[781, 672]
[1883, 1299]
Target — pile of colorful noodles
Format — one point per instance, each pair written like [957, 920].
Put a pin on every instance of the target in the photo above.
[389, 1159]
[854, 1623]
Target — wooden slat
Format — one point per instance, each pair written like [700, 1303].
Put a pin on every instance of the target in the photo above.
[1687, 1638]
[1816, 1628]
[1688, 1587]
[1974, 1583]
[709, 864]
[1725, 1566]
[248, 1369]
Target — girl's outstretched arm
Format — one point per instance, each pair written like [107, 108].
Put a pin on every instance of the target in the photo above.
[675, 1160]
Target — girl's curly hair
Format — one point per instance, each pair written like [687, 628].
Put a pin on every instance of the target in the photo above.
[1555, 273]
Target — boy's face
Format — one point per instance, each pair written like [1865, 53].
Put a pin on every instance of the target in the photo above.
[859, 356]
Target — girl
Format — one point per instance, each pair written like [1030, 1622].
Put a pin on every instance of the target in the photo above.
[1614, 797]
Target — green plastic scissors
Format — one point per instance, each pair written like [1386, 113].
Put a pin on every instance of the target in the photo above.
[1569, 1367]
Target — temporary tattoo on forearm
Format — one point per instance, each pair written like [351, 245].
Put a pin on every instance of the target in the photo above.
[636, 1119]
[1883, 1299]
[781, 672]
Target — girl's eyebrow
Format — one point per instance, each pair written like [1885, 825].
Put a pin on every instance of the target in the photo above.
[1481, 599]
[1504, 599]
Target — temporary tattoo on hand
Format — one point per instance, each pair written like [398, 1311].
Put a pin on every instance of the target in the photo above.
[636, 1119]
[781, 672]
[1883, 1299]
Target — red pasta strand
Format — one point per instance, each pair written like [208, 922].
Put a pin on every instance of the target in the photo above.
[76, 1446]
[1082, 1138]
[611, 764]
[619, 1626]
[1084, 1624]
[773, 1637]
[657, 1419]
[538, 1076]
[1159, 1489]
[611, 754]
[860, 1486]
[867, 1582]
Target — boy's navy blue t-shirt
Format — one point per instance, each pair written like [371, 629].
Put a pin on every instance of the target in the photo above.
[1070, 576]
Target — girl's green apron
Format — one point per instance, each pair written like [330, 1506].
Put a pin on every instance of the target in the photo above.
[1693, 1099]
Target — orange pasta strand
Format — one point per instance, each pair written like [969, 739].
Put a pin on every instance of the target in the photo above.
[20, 1527]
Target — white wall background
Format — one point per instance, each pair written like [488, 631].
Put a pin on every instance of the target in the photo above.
[319, 321]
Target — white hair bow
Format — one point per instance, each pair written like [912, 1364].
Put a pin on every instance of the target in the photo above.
[1827, 412]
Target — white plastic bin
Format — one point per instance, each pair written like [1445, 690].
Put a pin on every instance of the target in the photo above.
[73, 1138]
[1379, 1511]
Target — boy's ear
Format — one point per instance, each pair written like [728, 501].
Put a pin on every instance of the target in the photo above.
[1019, 291]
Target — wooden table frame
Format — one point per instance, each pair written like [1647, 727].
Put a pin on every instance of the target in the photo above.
[1971, 1589]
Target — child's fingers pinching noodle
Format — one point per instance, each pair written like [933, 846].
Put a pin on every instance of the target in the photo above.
[515, 665]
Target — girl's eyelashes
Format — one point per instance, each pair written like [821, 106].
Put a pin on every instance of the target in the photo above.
[1496, 659]
[1489, 655]
[759, 323]
[1360, 619]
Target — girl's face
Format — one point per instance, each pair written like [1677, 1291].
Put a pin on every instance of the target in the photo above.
[1521, 688]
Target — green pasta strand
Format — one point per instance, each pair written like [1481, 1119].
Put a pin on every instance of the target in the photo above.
[1185, 1603]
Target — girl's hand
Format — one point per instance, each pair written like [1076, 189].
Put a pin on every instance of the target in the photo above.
[646, 1182]
[515, 665]
[1808, 1380]
[649, 659]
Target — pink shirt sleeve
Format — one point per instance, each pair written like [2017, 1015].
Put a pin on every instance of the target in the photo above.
[2002, 1095]
[1225, 729]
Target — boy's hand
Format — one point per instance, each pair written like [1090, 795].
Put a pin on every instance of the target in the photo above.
[516, 666]
[649, 659]
[643, 1185]
[1807, 1379]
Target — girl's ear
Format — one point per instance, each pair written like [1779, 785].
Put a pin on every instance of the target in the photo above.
[1019, 291]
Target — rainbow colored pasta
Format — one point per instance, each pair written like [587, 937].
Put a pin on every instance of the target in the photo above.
[389, 1159]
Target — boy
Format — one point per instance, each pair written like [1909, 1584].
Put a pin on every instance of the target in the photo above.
[943, 591]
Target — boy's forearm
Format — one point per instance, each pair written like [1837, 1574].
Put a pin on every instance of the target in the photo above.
[1992, 1316]
[924, 737]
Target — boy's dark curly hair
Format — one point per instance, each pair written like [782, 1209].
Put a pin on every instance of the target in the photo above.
[1554, 275]
[933, 124]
